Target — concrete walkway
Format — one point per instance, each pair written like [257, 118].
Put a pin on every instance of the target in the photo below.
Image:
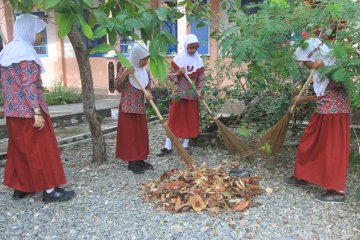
[68, 109]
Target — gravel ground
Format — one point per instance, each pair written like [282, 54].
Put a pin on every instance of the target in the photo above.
[110, 204]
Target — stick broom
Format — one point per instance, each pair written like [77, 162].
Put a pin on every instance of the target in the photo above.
[179, 148]
[231, 141]
[275, 136]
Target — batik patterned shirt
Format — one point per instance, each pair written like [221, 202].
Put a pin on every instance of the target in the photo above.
[22, 89]
[132, 100]
[182, 88]
[334, 100]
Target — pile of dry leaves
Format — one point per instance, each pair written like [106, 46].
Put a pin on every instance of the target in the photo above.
[200, 189]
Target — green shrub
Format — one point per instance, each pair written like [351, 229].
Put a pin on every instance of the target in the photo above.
[60, 95]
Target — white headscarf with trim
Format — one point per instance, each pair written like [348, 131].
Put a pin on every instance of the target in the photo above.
[21, 48]
[191, 63]
[139, 52]
[316, 50]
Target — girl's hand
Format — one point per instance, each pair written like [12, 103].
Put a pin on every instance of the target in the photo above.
[39, 121]
[148, 95]
[318, 64]
[181, 71]
[130, 70]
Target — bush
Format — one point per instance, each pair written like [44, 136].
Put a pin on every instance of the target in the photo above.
[60, 95]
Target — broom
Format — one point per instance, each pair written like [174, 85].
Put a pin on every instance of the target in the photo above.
[275, 136]
[231, 141]
[179, 148]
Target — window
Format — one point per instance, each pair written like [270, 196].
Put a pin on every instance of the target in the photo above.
[97, 41]
[41, 49]
[93, 43]
[126, 45]
[202, 34]
[171, 27]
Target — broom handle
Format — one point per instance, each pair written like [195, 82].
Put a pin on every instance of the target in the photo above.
[199, 95]
[150, 100]
[305, 86]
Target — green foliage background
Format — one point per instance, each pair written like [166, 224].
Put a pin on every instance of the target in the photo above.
[260, 47]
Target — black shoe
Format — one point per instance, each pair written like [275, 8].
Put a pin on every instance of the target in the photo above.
[20, 195]
[331, 196]
[58, 195]
[163, 152]
[145, 165]
[135, 167]
[294, 181]
[189, 151]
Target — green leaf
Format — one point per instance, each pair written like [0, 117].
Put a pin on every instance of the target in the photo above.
[85, 28]
[170, 38]
[153, 67]
[200, 24]
[64, 22]
[88, 2]
[112, 37]
[102, 48]
[99, 32]
[125, 62]
[243, 131]
[51, 3]
[161, 69]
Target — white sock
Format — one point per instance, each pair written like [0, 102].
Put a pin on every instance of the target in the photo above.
[168, 144]
[185, 142]
[50, 190]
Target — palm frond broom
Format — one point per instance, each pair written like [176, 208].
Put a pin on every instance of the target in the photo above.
[231, 141]
[275, 136]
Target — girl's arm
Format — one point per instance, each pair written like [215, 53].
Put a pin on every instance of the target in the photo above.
[304, 99]
[121, 78]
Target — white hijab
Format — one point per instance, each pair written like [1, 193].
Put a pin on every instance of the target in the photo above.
[191, 63]
[139, 52]
[21, 48]
[316, 50]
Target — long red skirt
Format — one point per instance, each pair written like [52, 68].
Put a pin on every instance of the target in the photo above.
[33, 157]
[323, 153]
[184, 118]
[132, 140]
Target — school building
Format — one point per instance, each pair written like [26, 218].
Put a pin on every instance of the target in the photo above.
[59, 59]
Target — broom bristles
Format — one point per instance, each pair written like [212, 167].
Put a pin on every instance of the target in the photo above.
[231, 141]
[275, 136]
[179, 148]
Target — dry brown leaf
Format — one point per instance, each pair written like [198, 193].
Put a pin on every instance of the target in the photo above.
[241, 206]
[178, 204]
[197, 203]
[269, 190]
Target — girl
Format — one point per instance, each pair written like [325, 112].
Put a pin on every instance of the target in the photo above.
[33, 160]
[323, 153]
[184, 109]
[132, 142]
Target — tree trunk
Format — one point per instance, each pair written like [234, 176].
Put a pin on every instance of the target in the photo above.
[82, 57]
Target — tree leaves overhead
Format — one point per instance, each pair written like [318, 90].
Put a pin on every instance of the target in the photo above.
[65, 22]
[116, 19]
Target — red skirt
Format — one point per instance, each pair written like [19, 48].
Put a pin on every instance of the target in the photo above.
[323, 153]
[33, 157]
[132, 140]
[184, 118]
